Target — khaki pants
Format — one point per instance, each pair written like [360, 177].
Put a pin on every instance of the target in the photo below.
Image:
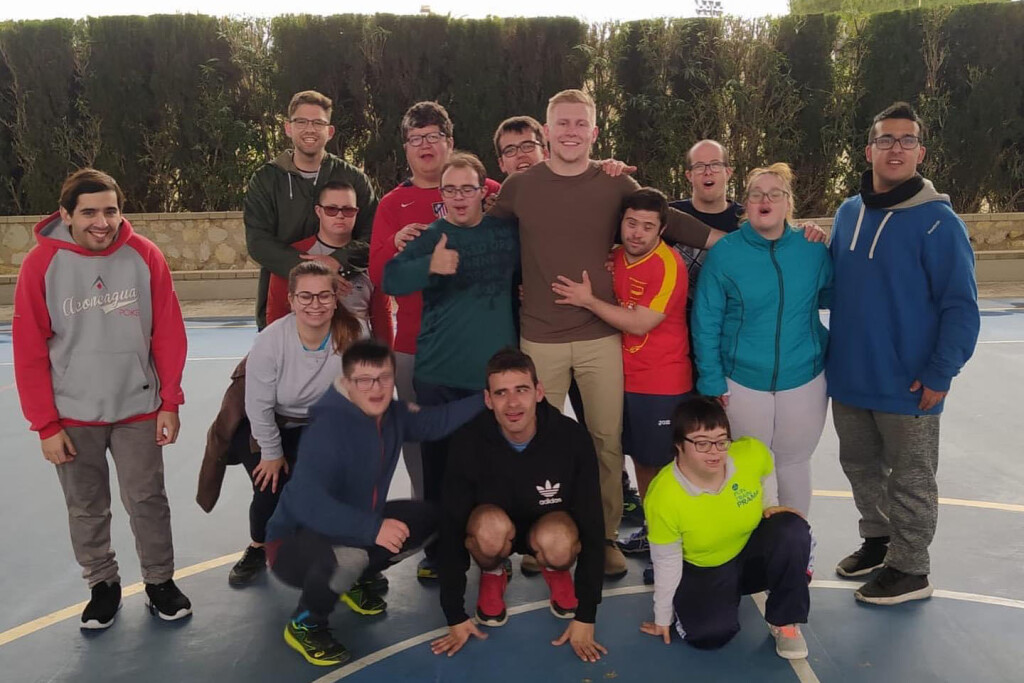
[597, 366]
[140, 476]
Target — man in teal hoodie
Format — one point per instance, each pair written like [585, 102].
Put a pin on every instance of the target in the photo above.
[904, 322]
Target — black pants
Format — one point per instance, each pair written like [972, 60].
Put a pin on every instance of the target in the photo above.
[310, 561]
[265, 502]
[435, 453]
[774, 559]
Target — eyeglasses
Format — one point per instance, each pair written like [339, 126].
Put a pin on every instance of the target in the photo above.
[306, 298]
[705, 446]
[905, 142]
[365, 383]
[525, 147]
[418, 140]
[319, 124]
[450, 191]
[346, 211]
[774, 196]
[714, 167]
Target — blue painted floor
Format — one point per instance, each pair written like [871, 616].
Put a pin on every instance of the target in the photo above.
[236, 634]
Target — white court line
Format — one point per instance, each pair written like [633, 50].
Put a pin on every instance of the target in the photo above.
[801, 667]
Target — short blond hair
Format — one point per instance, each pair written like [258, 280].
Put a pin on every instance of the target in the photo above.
[573, 96]
[783, 172]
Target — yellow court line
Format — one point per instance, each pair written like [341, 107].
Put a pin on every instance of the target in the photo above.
[75, 610]
[960, 502]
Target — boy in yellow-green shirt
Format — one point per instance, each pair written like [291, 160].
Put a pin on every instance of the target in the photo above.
[717, 533]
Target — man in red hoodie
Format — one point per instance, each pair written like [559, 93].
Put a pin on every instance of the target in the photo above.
[99, 349]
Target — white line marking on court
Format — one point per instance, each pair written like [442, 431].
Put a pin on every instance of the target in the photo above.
[1003, 341]
[801, 667]
[958, 502]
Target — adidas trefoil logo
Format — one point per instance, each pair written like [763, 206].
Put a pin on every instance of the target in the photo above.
[548, 493]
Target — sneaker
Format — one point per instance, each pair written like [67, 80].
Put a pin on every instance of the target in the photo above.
[103, 605]
[375, 583]
[891, 587]
[789, 642]
[361, 600]
[649, 574]
[506, 564]
[632, 506]
[490, 602]
[426, 569]
[252, 564]
[529, 566]
[614, 561]
[636, 543]
[166, 601]
[563, 593]
[315, 643]
[869, 557]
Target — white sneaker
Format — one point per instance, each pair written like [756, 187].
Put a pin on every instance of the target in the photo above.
[789, 642]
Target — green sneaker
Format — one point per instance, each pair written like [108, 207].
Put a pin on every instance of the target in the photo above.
[315, 643]
[361, 600]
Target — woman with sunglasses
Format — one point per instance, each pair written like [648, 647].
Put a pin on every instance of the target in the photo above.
[292, 363]
[758, 338]
[717, 533]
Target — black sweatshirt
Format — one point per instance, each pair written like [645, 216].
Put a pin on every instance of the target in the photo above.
[556, 471]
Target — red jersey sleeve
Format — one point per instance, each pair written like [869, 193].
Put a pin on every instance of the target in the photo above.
[168, 343]
[30, 331]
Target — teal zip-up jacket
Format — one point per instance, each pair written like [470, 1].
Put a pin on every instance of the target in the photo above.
[755, 316]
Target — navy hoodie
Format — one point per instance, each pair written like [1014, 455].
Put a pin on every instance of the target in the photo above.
[905, 304]
[345, 463]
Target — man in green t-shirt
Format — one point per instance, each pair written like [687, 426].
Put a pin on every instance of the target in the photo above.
[717, 533]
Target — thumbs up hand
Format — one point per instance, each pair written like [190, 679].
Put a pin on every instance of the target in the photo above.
[444, 261]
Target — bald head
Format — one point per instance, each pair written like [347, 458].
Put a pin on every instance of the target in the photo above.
[713, 147]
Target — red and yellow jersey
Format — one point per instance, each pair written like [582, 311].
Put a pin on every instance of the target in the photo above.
[659, 361]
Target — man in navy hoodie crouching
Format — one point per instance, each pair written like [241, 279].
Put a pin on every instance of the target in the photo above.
[333, 522]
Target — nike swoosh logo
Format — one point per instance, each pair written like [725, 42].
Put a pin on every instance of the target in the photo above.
[409, 204]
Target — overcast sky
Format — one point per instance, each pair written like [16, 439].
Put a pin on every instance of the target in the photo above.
[595, 10]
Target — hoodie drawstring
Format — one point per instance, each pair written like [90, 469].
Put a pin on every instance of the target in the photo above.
[856, 231]
[878, 233]
[290, 188]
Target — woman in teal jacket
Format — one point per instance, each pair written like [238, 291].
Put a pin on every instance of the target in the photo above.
[758, 338]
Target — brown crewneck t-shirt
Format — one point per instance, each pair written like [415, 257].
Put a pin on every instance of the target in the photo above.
[567, 224]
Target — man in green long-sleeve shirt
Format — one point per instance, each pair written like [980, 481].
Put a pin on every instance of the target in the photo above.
[466, 265]
[280, 200]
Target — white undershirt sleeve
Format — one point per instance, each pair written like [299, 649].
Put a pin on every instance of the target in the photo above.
[668, 572]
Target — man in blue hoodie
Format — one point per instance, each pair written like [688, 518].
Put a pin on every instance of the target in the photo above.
[904, 321]
[333, 521]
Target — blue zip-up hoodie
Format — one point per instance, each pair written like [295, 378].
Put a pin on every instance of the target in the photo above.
[905, 305]
[755, 315]
[345, 463]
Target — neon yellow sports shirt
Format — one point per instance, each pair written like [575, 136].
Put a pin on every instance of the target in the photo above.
[713, 528]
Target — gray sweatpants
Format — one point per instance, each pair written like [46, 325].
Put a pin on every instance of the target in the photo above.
[140, 475]
[405, 366]
[891, 461]
[790, 423]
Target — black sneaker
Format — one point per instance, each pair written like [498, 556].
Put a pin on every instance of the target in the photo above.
[166, 601]
[315, 643]
[103, 606]
[632, 506]
[375, 583]
[427, 570]
[866, 559]
[891, 587]
[361, 600]
[252, 564]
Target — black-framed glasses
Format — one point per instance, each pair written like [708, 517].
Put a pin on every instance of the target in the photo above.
[346, 211]
[714, 167]
[451, 191]
[365, 383]
[306, 298]
[907, 142]
[705, 446]
[318, 124]
[774, 196]
[524, 147]
[418, 140]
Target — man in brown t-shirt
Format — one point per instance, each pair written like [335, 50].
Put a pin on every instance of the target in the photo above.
[568, 212]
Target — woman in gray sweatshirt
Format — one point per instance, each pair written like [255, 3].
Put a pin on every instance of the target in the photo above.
[292, 363]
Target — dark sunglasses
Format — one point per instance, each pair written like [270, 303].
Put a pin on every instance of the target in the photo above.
[346, 211]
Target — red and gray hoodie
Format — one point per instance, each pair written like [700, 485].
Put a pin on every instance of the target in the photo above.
[98, 335]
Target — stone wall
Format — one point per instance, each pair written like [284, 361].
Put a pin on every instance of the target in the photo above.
[189, 241]
[216, 241]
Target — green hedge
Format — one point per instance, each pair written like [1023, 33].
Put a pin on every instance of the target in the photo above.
[182, 109]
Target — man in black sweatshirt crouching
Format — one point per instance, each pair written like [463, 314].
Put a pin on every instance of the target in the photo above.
[521, 478]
